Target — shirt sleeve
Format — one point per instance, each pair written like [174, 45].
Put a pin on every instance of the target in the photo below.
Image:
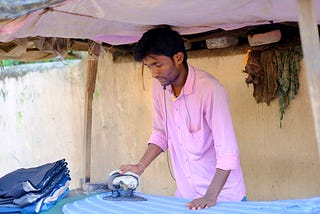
[219, 118]
[158, 135]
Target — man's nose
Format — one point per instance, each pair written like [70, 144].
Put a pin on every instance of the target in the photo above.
[154, 72]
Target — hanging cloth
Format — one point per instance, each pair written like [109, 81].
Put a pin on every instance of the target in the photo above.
[270, 74]
[288, 65]
[262, 73]
[255, 74]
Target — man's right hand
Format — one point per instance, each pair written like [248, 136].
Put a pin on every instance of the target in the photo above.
[135, 168]
[150, 154]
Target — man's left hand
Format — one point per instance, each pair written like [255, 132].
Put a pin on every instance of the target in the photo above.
[201, 203]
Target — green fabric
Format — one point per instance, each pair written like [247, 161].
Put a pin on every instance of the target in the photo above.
[288, 66]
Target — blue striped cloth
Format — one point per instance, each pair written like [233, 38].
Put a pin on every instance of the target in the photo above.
[171, 205]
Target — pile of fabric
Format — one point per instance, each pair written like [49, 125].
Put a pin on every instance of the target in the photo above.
[36, 189]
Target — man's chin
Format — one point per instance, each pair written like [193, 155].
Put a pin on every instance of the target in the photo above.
[163, 84]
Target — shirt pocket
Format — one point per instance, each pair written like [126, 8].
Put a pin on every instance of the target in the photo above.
[195, 143]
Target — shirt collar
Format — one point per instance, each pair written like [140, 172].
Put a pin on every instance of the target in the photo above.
[188, 86]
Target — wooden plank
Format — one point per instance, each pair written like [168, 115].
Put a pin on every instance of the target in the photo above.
[311, 51]
[93, 58]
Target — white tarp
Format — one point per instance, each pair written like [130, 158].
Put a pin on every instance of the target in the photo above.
[123, 21]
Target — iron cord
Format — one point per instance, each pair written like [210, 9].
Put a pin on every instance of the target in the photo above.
[166, 131]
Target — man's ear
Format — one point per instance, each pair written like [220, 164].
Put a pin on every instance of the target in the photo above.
[178, 58]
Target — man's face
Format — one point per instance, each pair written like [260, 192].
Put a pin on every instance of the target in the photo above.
[163, 68]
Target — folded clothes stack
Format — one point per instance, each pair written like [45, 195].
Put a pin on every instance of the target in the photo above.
[32, 190]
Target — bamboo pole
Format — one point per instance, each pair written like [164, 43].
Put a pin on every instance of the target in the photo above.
[311, 51]
[93, 58]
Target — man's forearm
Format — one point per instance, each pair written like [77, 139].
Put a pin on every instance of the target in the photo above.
[150, 154]
[217, 183]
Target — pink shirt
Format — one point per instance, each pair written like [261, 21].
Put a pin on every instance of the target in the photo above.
[200, 135]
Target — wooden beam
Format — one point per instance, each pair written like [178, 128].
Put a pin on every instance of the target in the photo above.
[92, 68]
[311, 52]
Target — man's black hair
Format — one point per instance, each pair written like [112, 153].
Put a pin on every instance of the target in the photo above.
[160, 41]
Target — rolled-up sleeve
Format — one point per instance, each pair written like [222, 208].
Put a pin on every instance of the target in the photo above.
[225, 142]
[158, 135]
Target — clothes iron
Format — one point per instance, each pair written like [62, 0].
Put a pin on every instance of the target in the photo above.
[122, 187]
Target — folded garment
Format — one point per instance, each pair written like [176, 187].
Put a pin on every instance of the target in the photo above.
[32, 197]
[10, 209]
[34, 189]
[45, 203]
[22, 181]
[6, 200]
[56, 195]
[60, 191]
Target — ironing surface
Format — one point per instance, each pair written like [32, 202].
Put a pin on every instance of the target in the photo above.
[165, 204]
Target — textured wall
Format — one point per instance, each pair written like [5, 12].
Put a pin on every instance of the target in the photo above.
[41, 116]
[278, 163]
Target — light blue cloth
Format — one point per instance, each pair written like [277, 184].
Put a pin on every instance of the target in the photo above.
[32, 197]
[169, 205]
[43, 206]
[33, 207]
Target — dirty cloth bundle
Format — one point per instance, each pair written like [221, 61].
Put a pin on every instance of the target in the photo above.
[31, 190]
[274, 73]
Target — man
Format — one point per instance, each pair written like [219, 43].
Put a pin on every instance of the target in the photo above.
[191, 118]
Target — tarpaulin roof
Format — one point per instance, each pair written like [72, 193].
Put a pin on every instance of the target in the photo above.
[122, 22]
[12, 8]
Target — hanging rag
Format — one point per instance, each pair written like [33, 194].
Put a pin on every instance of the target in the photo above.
[288, 64]
[255, 74]
[270, 75]
[262, 73]
[274, 72]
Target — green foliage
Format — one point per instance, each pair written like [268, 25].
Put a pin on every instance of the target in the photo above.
[12, 62]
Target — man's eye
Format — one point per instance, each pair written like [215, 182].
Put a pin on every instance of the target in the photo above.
[155, 65]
